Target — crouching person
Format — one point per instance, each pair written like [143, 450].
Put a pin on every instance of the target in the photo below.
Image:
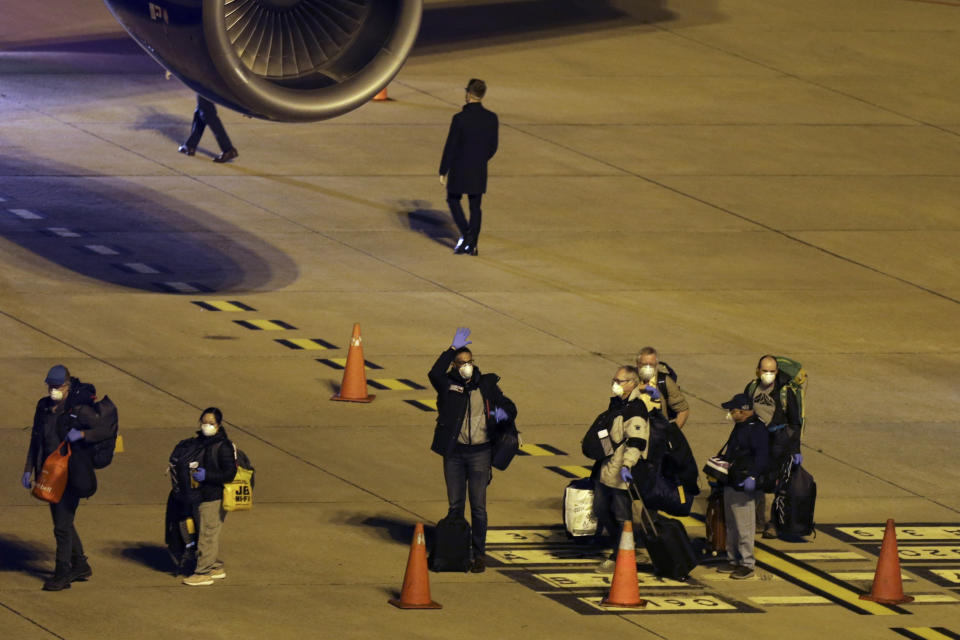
[747, 450]
[215, 466]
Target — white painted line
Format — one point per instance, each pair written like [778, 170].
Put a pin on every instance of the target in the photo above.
[139, 267]
[807, 556]
[790, 600]
[182, 286]
[861, 575]
[63, 232]
[26, 214]
[102, 249]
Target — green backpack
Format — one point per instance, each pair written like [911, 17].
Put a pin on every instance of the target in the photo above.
[798, 382]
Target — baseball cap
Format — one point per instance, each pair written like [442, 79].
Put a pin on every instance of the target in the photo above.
[57, 375]
[739, 401]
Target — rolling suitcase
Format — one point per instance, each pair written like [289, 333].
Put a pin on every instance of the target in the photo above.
[794, 504]
[451, 545]
[666, 542]
[716, 539]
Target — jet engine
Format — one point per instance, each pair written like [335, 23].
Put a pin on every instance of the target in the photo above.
[287, 60]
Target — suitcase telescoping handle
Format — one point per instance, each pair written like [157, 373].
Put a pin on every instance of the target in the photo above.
[650, 532]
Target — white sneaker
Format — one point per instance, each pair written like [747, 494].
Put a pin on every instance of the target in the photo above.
[198, 580]
[218, 574]
[606, 566]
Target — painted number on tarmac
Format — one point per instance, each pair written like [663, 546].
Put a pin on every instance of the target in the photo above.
[655, 604]
[525, 536]
[547, 556]
[951, 553]
[903, 533]
[602, 581]
[949, 575]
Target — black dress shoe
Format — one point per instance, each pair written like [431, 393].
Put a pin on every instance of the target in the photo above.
[459, 246]
[227, 156]
[471, 250]
[187, 150]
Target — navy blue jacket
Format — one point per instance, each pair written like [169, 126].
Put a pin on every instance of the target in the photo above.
[471, 142]
[748, 448]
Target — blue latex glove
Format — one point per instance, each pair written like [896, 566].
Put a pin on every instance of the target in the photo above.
[74, 434]
[499, 414]
[797, 458]
[460, 338]
[653, 391]
[25, 480]
[750, 484]
[199, 474]
[625, 474]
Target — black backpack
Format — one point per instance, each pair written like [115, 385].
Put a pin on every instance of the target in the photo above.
[591, 446]
[662, 386]
[678, 460]
[451, 545]
[794, 503]
[186, 451]
[104, 413]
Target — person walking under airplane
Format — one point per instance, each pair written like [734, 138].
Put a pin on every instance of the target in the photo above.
[206, 114]
[471, 143]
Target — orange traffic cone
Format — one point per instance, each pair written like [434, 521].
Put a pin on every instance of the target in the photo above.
[887, 585]
[625, 589]
[382, 96]
[415, 593]
[354, 385]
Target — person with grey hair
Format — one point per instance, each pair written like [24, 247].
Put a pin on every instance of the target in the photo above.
[660, 375]
[471, 143]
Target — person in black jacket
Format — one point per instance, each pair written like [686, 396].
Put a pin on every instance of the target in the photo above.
[471, 407]
[776, 405]
[217, 466]
[204, 115]
[747, 449]
[471, 142]
[55, 421]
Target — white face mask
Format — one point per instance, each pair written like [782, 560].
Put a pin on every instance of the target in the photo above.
[466, 371]
[767, 378]
[208, 429]
[647, 373]
[56, 395]
[617, 389]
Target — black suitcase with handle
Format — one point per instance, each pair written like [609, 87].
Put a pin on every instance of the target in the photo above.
[666, 542]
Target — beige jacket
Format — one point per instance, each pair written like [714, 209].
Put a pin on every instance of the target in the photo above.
[627, 428]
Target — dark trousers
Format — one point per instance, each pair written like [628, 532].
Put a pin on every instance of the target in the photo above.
[469, 230]
[69, 547]
[204, 115]
[612, 508]
[467, 468]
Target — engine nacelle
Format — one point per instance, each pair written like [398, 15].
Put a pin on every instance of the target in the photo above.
[292, 60]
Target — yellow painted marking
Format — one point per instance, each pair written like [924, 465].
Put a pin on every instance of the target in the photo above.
[862, 575]
[557, 555]
[773, 600]
[430, 402]
[602, 580]
[926, 598]
[577, 470]
[303, 343]
[930, 553]
[698, 603]
[950, 575]
[713, 576]
[807, 556]
[822, 584]
[928, 632]
[223, 305]
[118, 448]
[687, 521]
[534, 450]
[515, 536]
[268, 325]
[906, 533]
[393, 384]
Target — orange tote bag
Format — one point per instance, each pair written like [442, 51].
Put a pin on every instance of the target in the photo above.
[53, 477]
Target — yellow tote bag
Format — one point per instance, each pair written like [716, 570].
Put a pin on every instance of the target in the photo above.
[238, 494]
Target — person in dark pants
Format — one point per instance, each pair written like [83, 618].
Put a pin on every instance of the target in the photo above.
[471, 142]
[206, 114]
[471, 407]
[53, 422]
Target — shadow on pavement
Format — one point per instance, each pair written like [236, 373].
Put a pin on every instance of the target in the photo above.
[393, 529]
[436, 225]
[24, 557]
[152, 556]
[126, 233]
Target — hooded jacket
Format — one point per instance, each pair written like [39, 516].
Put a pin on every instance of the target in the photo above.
[453, 396]
[630, 433]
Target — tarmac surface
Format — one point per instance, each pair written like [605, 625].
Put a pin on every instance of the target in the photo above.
[718, 179]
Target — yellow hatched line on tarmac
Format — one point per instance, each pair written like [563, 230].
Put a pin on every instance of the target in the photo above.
[926, 633]
[820, 583]
[536, 450]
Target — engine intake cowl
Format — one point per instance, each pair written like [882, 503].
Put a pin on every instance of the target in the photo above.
[291, 60]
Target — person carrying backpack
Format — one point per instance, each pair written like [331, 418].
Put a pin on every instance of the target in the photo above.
[215, 466]
[776, 403]
[54, 422]
[664, 379]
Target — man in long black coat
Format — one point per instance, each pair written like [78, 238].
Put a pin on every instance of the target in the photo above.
[471, 143]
